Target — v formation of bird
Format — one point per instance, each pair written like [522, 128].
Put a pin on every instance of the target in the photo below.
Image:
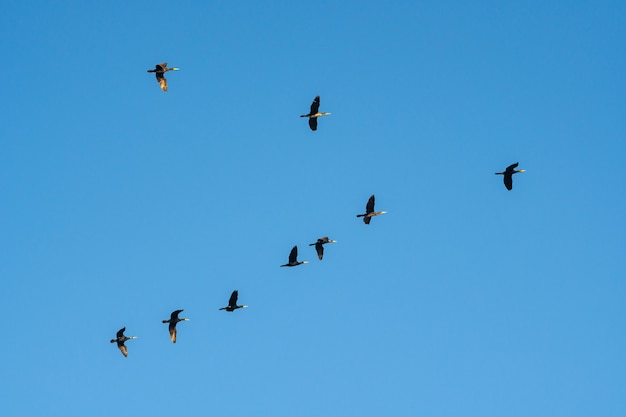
[370, 212]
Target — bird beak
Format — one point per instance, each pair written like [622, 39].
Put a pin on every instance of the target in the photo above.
[522, 170]
[244, 306]
[175, 69]
[332, 241]
[383, 212]
[305, 262]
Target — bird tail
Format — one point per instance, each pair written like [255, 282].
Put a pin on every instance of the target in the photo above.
[166, 321]
[360, 215]
[113, 340]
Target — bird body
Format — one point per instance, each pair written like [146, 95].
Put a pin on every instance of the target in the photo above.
[369, 211]
[160, 70]
[319, 245]
[232, 302]
[508, 175]
[293, 258]
[314, 113]
[174, 319]
[120, 339]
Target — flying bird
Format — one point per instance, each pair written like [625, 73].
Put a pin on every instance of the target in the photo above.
[293, 258]
[172, 321]
[314, 113]
[232, 302]
[120, 339]
[319, 245]
[369, 211]
[508, 175]
[160, 70]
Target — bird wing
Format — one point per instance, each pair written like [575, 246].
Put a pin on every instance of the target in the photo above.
[293, 256]
[315, 106]
[319, 248]
[174, 315]
[508, 180]
[313, 123]
[324, 239]
[161, 67]
[120, 332]
[232, 302]
[369, 207]
[123, 349]
[162, 81]
[173, 332]
[367, 219]
[511, 167]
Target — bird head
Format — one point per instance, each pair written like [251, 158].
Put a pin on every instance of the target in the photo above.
[244, 306]
[185, 319]
[522, 170]
[332, 241]
[132, 337]
[174, 69]
[305, 262]
[383, 212]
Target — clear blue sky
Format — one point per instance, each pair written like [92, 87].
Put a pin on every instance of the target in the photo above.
[121, 203]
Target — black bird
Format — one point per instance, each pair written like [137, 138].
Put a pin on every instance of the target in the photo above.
[314, 113]
[172, 321]
[232, 302]
[160, 70]
[293, 258]
[369, 211]
[120, 339]
[508, 175]
[319, 245]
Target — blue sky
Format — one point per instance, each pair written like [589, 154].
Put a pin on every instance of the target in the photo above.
[121, 203]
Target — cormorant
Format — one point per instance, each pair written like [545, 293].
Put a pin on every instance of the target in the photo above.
[319, 245]
[369, 211]
[293, 258]
[314, 113]
[120, 339]
[508, 175]
[160, 70]
[232, 302]
[172, 321]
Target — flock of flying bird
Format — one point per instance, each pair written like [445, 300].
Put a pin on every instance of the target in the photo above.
[314, 113]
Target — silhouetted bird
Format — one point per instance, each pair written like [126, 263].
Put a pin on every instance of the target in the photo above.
[508, 175]
[369, 211]
[293, 258]
[160, 70]
[120, 339]
[232, 302]
[172, 321]
[314, 113]
[319, 245]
